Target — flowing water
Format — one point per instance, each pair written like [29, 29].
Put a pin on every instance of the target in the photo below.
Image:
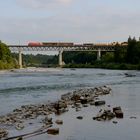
[33, 86]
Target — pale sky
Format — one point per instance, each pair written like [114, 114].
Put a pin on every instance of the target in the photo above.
[76, 21]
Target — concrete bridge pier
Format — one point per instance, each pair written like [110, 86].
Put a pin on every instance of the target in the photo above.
[60, 58]
[99, 54]
[20, 58]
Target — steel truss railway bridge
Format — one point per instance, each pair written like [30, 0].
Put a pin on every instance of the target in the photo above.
[80, 47]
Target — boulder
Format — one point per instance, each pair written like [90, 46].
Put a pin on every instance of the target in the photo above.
[116, 108]
[85, 105]
[98, 103]
[118, 112]
[133, 117]
[53, 131]
[60, 122]
[115, 122]
[83, 100]
[80, 117]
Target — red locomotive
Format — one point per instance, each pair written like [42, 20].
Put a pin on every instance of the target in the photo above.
[50, 44]
[35, 44]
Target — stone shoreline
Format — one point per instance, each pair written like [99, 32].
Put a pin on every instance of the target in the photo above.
[76, 99]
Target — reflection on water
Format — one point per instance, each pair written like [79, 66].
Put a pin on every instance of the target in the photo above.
[38, 86]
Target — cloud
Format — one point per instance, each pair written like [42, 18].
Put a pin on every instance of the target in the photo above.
[79, 22]
[42, 4]
[77, 28]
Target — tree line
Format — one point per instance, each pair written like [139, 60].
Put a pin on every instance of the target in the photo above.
[121, 58]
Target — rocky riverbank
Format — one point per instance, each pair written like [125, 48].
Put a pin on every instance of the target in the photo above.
[76, 100]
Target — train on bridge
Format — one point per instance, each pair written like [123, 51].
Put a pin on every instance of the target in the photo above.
[50, 44]
[70, 44]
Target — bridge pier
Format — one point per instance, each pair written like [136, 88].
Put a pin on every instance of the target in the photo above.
[20, 58]
[99, 54]
[60, 58]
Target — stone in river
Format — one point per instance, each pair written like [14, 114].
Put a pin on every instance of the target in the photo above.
[83, 100]
[85, 105]
[98, 103]
[59, 122]
[116, 108]
[80, 117]
[118, 112]
[115, 122]
[53, 131]
[133, 117]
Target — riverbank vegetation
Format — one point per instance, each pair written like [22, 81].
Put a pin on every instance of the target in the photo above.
[6, 59]
[121, 58]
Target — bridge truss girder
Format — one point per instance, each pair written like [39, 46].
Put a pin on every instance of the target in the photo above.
[72, 48]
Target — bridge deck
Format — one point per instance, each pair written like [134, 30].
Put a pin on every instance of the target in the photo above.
[65, 48]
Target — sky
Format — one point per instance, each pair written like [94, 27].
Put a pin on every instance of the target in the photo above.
[78, 21]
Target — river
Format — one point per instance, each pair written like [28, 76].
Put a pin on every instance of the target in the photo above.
[36, 85]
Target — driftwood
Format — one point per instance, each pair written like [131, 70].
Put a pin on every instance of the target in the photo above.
[31, 134]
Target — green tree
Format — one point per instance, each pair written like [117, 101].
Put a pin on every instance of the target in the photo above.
[120, 54]
[6, 60]
[131, 50]
[136, 55]
[108, 57]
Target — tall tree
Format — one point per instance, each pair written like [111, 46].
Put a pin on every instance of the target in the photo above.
[131, 50]
[6, 60]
